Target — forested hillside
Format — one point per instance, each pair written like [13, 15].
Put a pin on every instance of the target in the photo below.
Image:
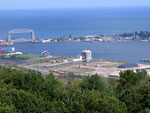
[26, 92]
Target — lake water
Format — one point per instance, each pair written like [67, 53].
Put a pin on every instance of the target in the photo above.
[122, 51]
[56, 23]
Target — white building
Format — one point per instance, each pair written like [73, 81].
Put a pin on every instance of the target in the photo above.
[46, 40]
[86, 55]
[78, 59]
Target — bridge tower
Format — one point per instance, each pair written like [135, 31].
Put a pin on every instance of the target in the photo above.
[33, 36]
[9, 37]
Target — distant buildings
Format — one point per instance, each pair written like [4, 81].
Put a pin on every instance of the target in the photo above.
[46, 40]
[86, 55]
[5, 42]
[14, 53]
[7, 50]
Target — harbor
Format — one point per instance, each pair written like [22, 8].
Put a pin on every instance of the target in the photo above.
[77, 56]
[142, 36]
[82, 64]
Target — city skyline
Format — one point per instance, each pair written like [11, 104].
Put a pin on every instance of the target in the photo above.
[48, 4]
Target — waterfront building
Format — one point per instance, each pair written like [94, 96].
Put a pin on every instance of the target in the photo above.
[5, 42]
[78, 59]
[86, 55]
[45, 53]
[7, 50]
[46, 40]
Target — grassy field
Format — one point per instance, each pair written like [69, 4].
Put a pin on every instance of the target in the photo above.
[80, 70]
[20, 57]
[27, 57]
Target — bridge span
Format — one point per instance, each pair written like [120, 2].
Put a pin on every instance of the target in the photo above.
[16, 31]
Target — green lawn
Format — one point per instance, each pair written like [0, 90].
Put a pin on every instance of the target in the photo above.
[27, 57]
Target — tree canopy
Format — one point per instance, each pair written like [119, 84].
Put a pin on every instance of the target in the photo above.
[23, 92]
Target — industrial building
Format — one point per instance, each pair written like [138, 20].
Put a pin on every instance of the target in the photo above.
[86, 55]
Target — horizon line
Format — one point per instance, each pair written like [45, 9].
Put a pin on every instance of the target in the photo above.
[77, 8]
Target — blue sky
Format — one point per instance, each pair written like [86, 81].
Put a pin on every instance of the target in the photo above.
[34, 4]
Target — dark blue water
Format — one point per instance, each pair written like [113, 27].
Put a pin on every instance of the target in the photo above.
[128, 52]
[56, 23]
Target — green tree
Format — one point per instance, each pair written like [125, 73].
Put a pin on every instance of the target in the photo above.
[132, 98]
[96, 102]
[29, 81]
[137, 99]
[112, 83]
[144, 90]
[23, 101]
[52, 88]
[4, 108]
[146, 111]
[129, 79]
[74, 98]
[93, 82]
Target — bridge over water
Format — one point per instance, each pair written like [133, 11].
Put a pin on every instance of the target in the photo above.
[16, 31]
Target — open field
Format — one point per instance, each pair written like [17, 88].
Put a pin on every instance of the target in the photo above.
[101, 67]
[80, 70]
[59, 66]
